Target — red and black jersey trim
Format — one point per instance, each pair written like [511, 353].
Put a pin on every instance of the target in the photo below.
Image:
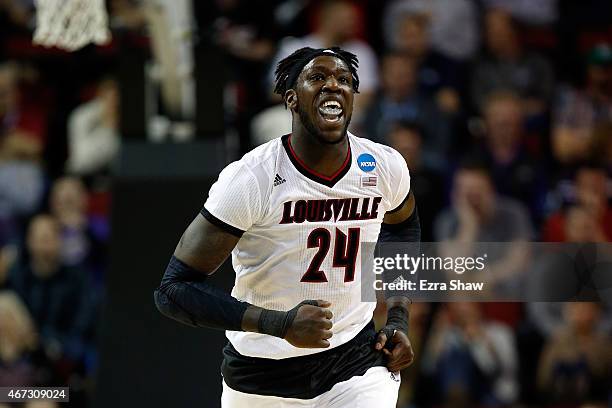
[328, 181]
[221, 224]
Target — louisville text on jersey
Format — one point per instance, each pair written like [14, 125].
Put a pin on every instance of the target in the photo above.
[338, 209]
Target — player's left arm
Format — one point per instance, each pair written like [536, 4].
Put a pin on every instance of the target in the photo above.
[399, 225]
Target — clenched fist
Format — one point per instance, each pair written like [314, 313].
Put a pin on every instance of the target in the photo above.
[311, 327]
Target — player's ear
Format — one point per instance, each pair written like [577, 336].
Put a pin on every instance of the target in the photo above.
[291, 99]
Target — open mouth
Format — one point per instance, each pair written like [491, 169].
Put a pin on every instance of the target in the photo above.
[331, 111]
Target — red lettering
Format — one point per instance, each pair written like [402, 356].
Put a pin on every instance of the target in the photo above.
[287, 218]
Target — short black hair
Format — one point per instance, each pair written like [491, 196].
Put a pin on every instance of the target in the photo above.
[288, 69]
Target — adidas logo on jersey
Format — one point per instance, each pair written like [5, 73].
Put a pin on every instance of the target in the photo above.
[278, 180]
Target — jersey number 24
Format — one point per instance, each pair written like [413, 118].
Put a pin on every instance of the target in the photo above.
[345, 253]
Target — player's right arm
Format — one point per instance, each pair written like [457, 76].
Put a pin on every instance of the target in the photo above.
[186, 295]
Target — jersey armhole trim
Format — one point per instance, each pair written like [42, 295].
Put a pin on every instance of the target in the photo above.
[221, 224]
[401, 204]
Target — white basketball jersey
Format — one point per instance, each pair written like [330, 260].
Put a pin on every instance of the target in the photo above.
[303, 233]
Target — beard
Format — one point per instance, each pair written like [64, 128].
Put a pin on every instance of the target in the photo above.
[314, 131]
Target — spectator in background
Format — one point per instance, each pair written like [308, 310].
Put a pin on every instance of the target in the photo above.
[83, 237]
[247, 32]
[400, 100]
[507, 151]
[454, 24]
[474, 360]
[602, 145]
[7, 257]
[438, 76]
[22, 118]
[18, 339]
[579, 226]
[245, 29]
[338, 24]
[587, 219]
[541, 12]
[479, 216]
[506, 65]
[21, 177]
[569, 272]
[576, 364]
[578, 112]
[589, 191]
[93, 132]
[18, 12]
[15, 17]
[68, 204]
[426, 182]
[57, 296]
[244, 34]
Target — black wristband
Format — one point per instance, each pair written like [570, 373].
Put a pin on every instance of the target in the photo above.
[397, 319]
[276, 323]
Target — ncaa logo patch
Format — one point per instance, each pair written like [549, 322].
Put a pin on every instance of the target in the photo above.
[366, 162]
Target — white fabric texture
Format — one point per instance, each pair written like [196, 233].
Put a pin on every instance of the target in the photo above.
[271, 258]
[376, 388]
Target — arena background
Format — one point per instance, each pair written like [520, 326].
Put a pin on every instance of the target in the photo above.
[107, 153]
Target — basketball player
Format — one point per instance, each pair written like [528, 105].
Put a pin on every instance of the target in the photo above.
[293, 213]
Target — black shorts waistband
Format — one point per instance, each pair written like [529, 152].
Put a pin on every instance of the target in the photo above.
[302, 377]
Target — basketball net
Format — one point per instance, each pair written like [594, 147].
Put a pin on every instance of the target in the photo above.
[71, 24]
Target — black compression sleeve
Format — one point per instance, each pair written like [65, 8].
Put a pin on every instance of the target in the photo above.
[186, 296]
[406, 231]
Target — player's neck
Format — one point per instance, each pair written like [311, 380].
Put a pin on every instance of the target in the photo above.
[324, 158]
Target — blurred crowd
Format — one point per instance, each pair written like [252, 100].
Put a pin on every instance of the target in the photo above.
[501, 108]
[503, 111]
[58, 137]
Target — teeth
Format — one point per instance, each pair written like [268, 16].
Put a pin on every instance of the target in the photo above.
[331, 103]
[330, 111]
